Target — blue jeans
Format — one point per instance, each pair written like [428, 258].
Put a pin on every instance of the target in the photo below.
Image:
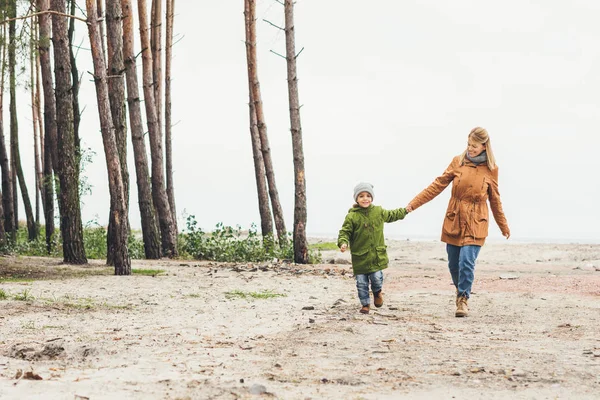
[461, 262]
[362, 284]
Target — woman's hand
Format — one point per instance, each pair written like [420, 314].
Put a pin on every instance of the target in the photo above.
[344, 247]
[409, 208]
[506, 235]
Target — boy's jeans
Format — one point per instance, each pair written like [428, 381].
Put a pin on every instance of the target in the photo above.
[461, 262]
[362, 284]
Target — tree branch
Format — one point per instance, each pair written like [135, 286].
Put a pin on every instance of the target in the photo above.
[270, 23]
[274, 52]
[41, 13]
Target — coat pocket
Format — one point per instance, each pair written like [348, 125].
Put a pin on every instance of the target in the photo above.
[382, 256]
[359, 258]
[480, 227]
[451, 225]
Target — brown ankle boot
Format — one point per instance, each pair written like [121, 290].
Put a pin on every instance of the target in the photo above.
[462, 309]
[378, 299]
[365, 309]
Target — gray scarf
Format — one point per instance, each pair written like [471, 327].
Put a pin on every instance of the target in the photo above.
[478, 159]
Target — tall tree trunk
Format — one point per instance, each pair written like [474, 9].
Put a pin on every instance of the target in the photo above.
[150, 232]
[262, 129]
[76, 84]
[37, 126]
[266, 219]
[50, 136]
[100, 13]
[300, 242]
[69, 202]
[165, 216]
[33, 56]
[118, 217]
[7, 186]
[32, 228]
[168, 122]
[156, 47]
[116, 93]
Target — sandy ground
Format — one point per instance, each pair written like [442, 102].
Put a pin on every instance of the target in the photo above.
[533, 331]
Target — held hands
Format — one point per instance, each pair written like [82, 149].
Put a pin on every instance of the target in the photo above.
[409, 208]
[344, 247]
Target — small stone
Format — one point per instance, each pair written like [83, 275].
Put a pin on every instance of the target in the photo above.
[258, 389]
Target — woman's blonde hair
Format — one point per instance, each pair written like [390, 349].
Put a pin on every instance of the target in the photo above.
[481, 136]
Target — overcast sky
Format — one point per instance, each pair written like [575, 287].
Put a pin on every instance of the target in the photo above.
[390, 91]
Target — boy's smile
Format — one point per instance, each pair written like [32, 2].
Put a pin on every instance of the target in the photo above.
[364, 199]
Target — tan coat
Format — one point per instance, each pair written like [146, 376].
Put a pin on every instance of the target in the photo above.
[467, 216]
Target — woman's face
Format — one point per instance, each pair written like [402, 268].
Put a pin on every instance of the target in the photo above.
[474, 149]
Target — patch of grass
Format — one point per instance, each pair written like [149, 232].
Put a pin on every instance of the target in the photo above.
[15, 279]
[25, 295]
[147, 272]
[3, 295]
[28, 325]
[323, 246]
[53, 327]
[195, 295]
[265, 294]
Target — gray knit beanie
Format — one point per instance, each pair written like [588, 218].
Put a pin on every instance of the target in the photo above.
[363, 187]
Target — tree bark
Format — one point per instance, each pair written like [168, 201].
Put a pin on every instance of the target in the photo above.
[170, 17]
[50, 136]
[264, 141]
[76, 84]
[7, 185]
[36, 133]
[156, 47]
[266, 219]
[118, 207]
[150, 232]
[300, 242]
[69, 201]
[32, 228]
[165, 216]
[116, 95]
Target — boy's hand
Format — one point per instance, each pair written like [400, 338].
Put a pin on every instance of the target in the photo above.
[409, 208]
[344, 247]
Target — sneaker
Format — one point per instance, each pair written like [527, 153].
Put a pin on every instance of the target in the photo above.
[378, 297]
[365, 309]
[462, 309]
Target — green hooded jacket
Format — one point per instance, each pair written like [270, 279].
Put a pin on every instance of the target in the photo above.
[363, 232]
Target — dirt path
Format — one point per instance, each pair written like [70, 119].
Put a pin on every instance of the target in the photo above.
[189, 333]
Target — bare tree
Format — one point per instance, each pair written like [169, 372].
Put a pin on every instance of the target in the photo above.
[170, 17]
[150, 232]
[69, 201]
[75, 78]
[262, 126]
[7, 185]
[116, 95]
[118, 207]
[37, 126]
[165, 216]
[50, 142]
[266, 219]
[32, 227]
[300, 242]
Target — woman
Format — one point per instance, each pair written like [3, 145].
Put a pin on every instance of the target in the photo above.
[474, 177]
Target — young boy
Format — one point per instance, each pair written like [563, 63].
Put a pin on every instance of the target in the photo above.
[362, 231]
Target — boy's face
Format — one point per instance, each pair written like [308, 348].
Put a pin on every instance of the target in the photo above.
[364, 199]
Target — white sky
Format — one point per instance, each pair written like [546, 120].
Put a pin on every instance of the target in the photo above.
[389, 93]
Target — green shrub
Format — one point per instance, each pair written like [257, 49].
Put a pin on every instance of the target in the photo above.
[227, 244]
